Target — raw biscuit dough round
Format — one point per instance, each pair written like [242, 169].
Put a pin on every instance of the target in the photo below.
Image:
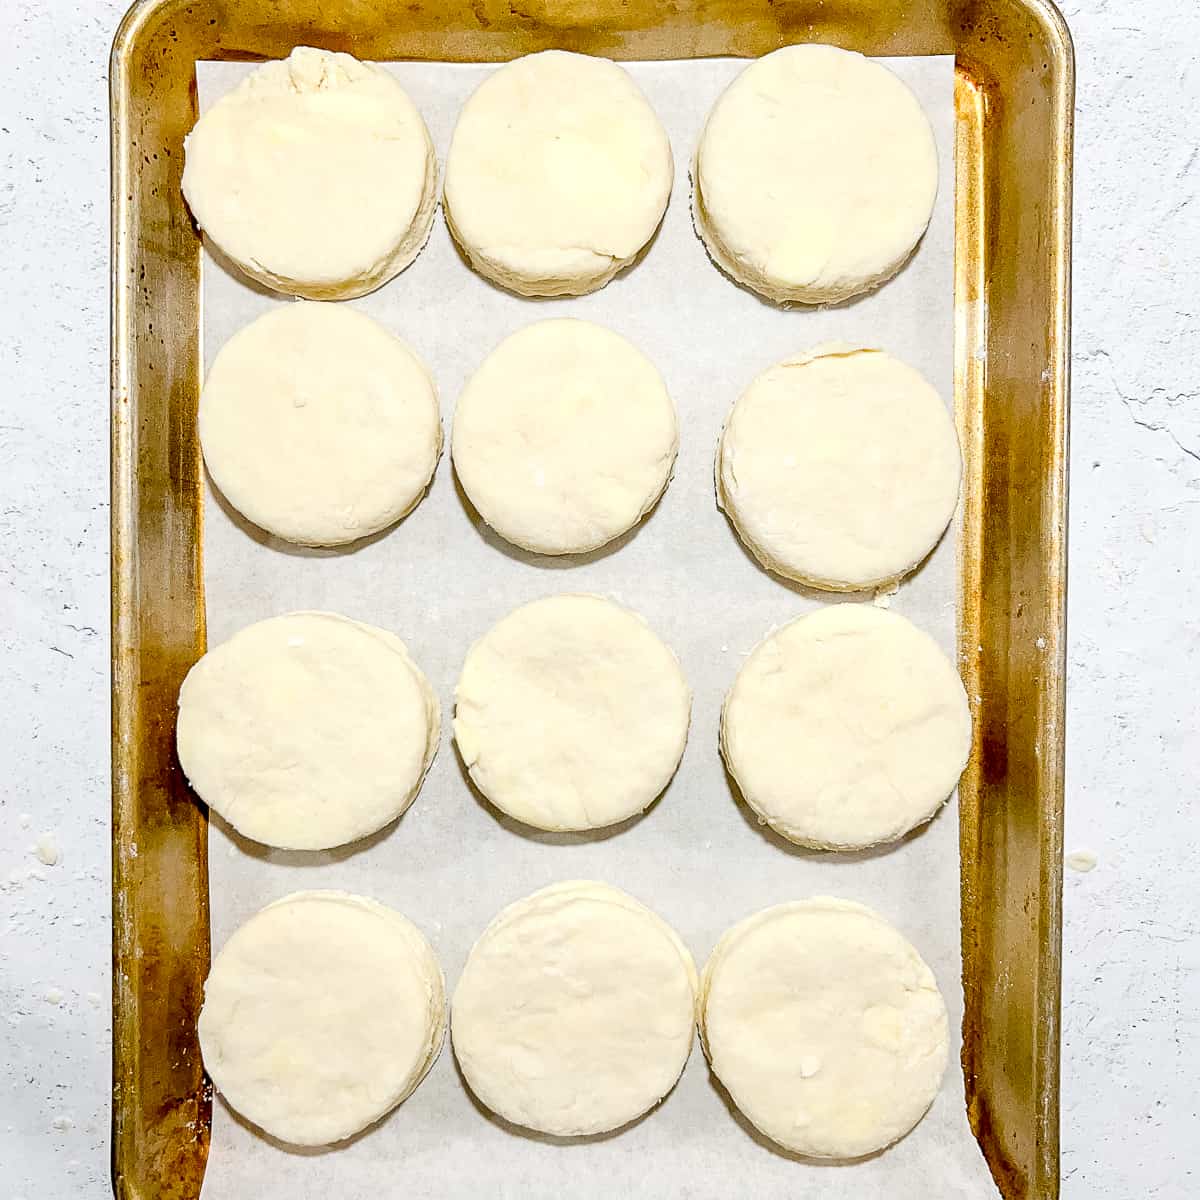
[815, 176]
[571, 714]
[558, 174]
[318, 425]
[316, 175]
[576, 1010]
[846, 728]
[565, 437]
[839, 468]
[321, 1013]
[307, 730]
[825, 1026]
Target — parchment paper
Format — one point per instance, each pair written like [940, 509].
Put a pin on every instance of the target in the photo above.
[440, 581]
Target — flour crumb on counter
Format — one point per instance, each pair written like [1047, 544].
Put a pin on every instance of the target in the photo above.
[1082, 861]
[53, 996]
[46, 850]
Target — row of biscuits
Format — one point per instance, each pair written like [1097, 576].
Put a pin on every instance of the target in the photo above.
[845, 728]
[574, 1015]
[814, 178]
[839, 467]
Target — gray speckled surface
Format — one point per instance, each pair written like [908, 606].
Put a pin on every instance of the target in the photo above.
[1132, 937]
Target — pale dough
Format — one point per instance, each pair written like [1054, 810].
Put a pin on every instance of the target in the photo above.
[558, 174]
[565, 437]
[840, 468]
[825, 1026]
[576, 1010]
[321, 1013]
[815, 175]
[307, 730]
[571, 714]
[319, 425]
[846, 728]
[316, 175]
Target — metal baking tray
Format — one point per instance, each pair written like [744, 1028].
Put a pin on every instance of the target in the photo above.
[1014, 96]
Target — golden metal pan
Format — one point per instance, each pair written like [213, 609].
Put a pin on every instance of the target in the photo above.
[1015, 85]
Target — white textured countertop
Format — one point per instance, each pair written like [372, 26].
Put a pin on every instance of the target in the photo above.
[1132, 933]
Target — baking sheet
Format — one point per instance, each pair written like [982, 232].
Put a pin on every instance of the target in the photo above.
[440, 580]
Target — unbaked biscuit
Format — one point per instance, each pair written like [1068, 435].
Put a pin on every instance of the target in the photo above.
[576, 1010]
[839, 468]
[825, 1026]
[570, 713]
[321, 1013]
[318, 425]
[308, 730]
[565, 437]
[846, 728]
[815, 175]
[558, 174]
[316, 175]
